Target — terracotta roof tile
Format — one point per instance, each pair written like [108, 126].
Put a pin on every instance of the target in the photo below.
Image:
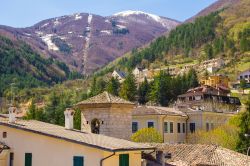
[197, 154]
[76, 136]
[103, 98]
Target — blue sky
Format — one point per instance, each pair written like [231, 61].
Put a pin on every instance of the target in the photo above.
[23, 13]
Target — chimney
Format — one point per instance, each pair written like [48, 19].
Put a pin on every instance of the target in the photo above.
[69, 116]
[12, 114]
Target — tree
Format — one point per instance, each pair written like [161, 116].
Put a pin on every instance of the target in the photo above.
[97, 86]
[77, 119]
[225, 136]
[244, 125]
[150, 135]
[31, 114]
[128, 89]
[192, 79]
[113, 86]
[243, 84]
[143, 92]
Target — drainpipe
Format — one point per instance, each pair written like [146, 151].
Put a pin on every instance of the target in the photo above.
[163, 128]
[101, 162]
[187, 126]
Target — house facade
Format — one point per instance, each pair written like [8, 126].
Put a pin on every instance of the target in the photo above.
[30, 142]
[175, 124]
[244, 75]
[215, 81]
[119, 75]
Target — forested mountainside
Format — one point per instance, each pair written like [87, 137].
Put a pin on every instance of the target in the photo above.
[25, 68]
[224, 33]
[86, 42]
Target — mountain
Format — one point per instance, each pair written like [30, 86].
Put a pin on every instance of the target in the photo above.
[224, 33]
[220, 4]
[86, 42]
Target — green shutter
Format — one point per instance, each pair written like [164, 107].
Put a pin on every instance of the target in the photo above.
[78, 161]
[28, 159]
[123, 160]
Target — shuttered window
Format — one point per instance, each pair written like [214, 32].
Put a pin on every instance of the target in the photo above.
[78, 161]
[28, 159]
[123, 160]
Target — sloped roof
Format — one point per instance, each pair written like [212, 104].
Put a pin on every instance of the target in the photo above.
[3, 147]
[154, 110]
[197, 154]
[120, 73]
[104, 98]
[83, 138]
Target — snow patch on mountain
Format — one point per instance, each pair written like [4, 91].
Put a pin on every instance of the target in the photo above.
[47, 39]
[108, 32]
[56, 22]
[78, 17]
[121, 26]
[90, 18]
[131, 12]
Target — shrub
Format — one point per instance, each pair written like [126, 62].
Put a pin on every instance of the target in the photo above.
[147, 135]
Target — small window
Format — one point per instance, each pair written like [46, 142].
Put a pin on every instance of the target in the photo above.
[123, 160]
[78, 161]
[134, 127]
[179, 127]
[150, 124]
[183, 127]
[192, 127]
[165, 127]
[4, 134]
[207, 126]
[171, 127]
[28, 159]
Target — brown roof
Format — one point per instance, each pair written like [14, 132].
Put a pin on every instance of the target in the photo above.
[154, 110]
[104, 98]
[83, 138]
[197, 154]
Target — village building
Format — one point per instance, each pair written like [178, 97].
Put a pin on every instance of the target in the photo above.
[175, 124]
[216, 81]
[217, 63]
[208, 98]
[244, 75]
[107, 114]
[170, 122]
[120, 75]
[31, 142]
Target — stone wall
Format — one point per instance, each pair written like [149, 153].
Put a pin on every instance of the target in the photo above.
[115, 121]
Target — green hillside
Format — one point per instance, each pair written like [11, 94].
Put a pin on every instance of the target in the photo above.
[21, 65]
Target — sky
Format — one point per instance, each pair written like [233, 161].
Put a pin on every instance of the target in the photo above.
[23, 13]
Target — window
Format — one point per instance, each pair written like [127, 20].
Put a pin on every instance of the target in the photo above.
[207, 126]
[4, 134]
[28, 159]
[165, 127]
[179, 127]
[171, 127]
[192, 127]
[134, 127]
[78, 161]
[11, 159]
[150, 124]
[241, 77]
[183, 127]
[123, 160]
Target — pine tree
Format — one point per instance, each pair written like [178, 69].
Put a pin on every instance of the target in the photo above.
[128, 88]
[113, 86]
[31, 114]
[143, 92]
[192, 79]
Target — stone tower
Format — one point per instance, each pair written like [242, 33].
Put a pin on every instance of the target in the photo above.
[107, 114]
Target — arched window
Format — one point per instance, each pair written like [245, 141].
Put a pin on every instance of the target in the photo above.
[95, 126]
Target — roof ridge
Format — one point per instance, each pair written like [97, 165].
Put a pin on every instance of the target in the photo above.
[108, 96]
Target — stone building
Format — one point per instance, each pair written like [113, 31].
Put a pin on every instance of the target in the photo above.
[108, 115]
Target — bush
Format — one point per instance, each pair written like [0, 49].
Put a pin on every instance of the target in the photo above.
[150, 135]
